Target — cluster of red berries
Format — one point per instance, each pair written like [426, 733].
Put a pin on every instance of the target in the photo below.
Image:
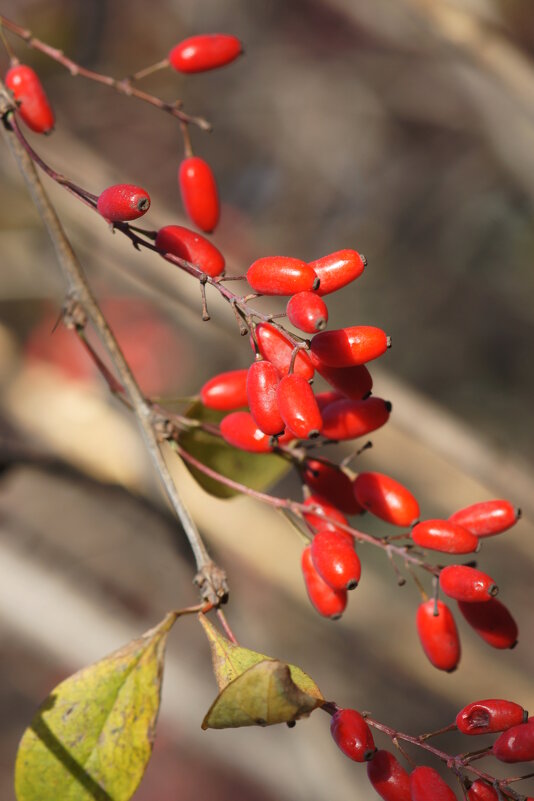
[393, 783]
[126, 202]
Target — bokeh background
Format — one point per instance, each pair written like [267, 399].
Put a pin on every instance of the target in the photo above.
[402, 128]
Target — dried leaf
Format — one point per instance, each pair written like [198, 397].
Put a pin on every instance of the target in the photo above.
[263, 695]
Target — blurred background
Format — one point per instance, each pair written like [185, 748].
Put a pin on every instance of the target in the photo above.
[401, 128]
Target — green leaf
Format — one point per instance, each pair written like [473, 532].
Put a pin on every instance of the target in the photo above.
[256, 470]
[92, 738]
[263, 695]
[231, 660]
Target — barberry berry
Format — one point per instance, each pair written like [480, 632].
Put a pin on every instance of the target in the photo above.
[327, 601]
[192, 247]
[388, 777]
[492, 621]
[464, 583]
[240, 430]
[490, 715]
[515, 744]
[386, 498]
[307, 311]
[336, 560]
[123, 202]
[275, 347]
[427, 785]
[347, 347]
[337, 270]
[487, 518]
[482, 791]
[298, 407]
[331, 483]
[438, 635]
[33, 106]
[442, 535]
[281, 275]
[225, 391]
[262, 383]
[199, 193]
[348, 419]
[352, 735]
[353, 382]
[207, 51]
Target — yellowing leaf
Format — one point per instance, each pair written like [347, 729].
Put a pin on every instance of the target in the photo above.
[92, 738]
[256, 470]
[263, 695]
[231, 660]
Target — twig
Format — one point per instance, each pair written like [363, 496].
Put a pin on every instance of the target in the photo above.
[80, 302]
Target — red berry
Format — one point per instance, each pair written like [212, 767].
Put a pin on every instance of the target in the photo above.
[240, 430]
[325, 398]
[333, 484]
[388, 777]
[328, 602]
[492, 621]
[191, 247]
[316, 519]
[515, 744]
[280, 275]
[466, 583]
[352, 735]
[353, 382]
[348, 419]
[481, 791]
[493, 714]
[262, 382]
[307, 311]
[276, 348]
[438, 635]
[441, 535]
[225, 391]
[386, 498]
[337, 270]
[336, 560]
[205, 52]
[199, 193]
[298, 407]
[427, 785]
[487, 518]
[349, 346]
[123, 202]
[28, 91]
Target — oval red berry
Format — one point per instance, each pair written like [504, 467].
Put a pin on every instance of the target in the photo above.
[438, 635]
[280, 275]
[386, 498]
[515, 744]
[240, 430]
[353, 382]
[337, 270]
[487, 518]
[123, 202]
[317, 518]
[427, 785]
[33, 106]
[349, 346]
[276, 348]
[225, 391]
[192, 247]
[262, 383]
[352, 735]
[335, 560]
[199, 193]
[492, 621]
[298, 407]
[333, 484]
[490, 715]
[465, 583]
[388, 777]
[308, 312]
[328, 602]
[444, 536]
[207, 51]
[348, 419]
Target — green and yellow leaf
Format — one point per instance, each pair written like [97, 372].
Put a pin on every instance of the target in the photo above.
[92, 737]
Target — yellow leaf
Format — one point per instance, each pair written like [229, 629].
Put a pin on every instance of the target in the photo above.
[92, 738]
[263, 695]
